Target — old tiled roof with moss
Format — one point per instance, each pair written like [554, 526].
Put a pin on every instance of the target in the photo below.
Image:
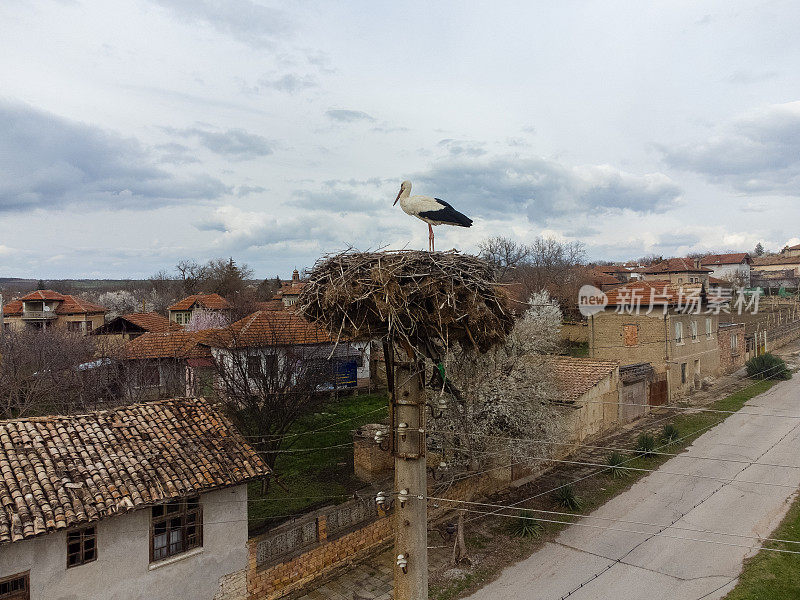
[58, 472]
[169, 344]
[576, 376]
[208, 301]
[657, 293]
[676, 265]
[725, 259]
[775, 259]
[268, 328]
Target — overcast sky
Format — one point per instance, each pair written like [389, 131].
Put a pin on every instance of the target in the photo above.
[135, 133]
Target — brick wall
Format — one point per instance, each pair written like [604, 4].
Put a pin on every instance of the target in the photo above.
[328, 555]
[731, 358]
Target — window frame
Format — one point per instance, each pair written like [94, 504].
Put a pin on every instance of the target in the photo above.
[24, 594]
[183, 511]
[83, 538]
[708, 327]
[679, 332]
[683, 373]
[693, 330]
[627, 327]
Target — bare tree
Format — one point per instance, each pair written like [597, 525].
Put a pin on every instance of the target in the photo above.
[267, 381]
[505, 393]
[54, 371]
[557, 267]
[504, 254]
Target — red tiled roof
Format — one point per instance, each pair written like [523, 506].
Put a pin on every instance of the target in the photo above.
[268, 328]
[151, 321]
[270, 305]
[58, 472]
[725, 259]
[676, 265]
[775, 259]
[209, 301]
[71, 305]
[795, 247]
[601, 277]
[13, 308]
[576, 376]
[68, 305]
[43, 295]
[171, 344]
[661, 292]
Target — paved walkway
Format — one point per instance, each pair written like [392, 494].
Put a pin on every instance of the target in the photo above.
[683, 538]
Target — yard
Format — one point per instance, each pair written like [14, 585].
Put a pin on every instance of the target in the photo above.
[311, 479]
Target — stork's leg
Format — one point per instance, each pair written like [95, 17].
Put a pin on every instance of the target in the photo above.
[430, 237]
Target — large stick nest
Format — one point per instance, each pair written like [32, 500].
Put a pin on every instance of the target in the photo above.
[426, 299]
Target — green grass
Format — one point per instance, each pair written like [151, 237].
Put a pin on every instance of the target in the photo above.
[773, 575]
[310, 475]
[577, 349]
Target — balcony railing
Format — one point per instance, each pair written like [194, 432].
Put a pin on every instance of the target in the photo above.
[38, 315]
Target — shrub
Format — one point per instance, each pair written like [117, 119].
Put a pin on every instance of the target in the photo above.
[767, 366]
[525, 525]
[615, 461]
[565, 498]
[669, 434]
[645, 444]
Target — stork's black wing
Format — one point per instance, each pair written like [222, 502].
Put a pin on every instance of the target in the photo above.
[447, 214]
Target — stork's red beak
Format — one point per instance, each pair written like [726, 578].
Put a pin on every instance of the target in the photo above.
[398, 197]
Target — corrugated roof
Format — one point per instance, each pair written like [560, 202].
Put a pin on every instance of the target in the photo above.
[208, 301]
[57, 472]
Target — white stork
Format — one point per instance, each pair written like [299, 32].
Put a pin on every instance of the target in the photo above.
[431, 210]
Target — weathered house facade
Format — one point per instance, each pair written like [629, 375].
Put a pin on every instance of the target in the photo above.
[148, 501]
[680, 343]
[678, 271]
[734, 267]
[43, 309]
[182, 311]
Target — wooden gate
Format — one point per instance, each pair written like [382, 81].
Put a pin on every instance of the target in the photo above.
[658, 392]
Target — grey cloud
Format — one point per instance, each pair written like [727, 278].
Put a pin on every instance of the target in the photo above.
[543, 189]
[233, 143]
[246, 190]
[244, 20]
[758, 153]
[47, 161]
[290, 83]
[175, 154]
[336, 200]
[463, 148]
[348, 116]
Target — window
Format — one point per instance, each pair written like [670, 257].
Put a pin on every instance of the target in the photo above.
[683, 372]
[175, 527]
[254, 366]
[88, 327]
[74, 326]
[708, 327]
[693, 327]
[81, 546]
[630, 335]
[678, 332]
[16, 587]
[734, 343]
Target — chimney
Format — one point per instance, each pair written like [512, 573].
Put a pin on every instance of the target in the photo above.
[295, 276]
[696, 263]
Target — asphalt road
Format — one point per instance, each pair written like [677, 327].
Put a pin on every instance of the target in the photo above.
[597, 563]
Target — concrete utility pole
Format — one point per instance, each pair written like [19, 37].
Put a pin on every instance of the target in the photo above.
[406, 382]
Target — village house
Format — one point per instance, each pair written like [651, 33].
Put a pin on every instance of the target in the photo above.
[678, 336]
[733, 268]
[678, 271]
[793, 251]
[272, 341]
[132, 325]
[182, 311]
[624, 272]
[778, 262]
[290, 290]
[159, 364]
[43, 309]
[145, 501]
